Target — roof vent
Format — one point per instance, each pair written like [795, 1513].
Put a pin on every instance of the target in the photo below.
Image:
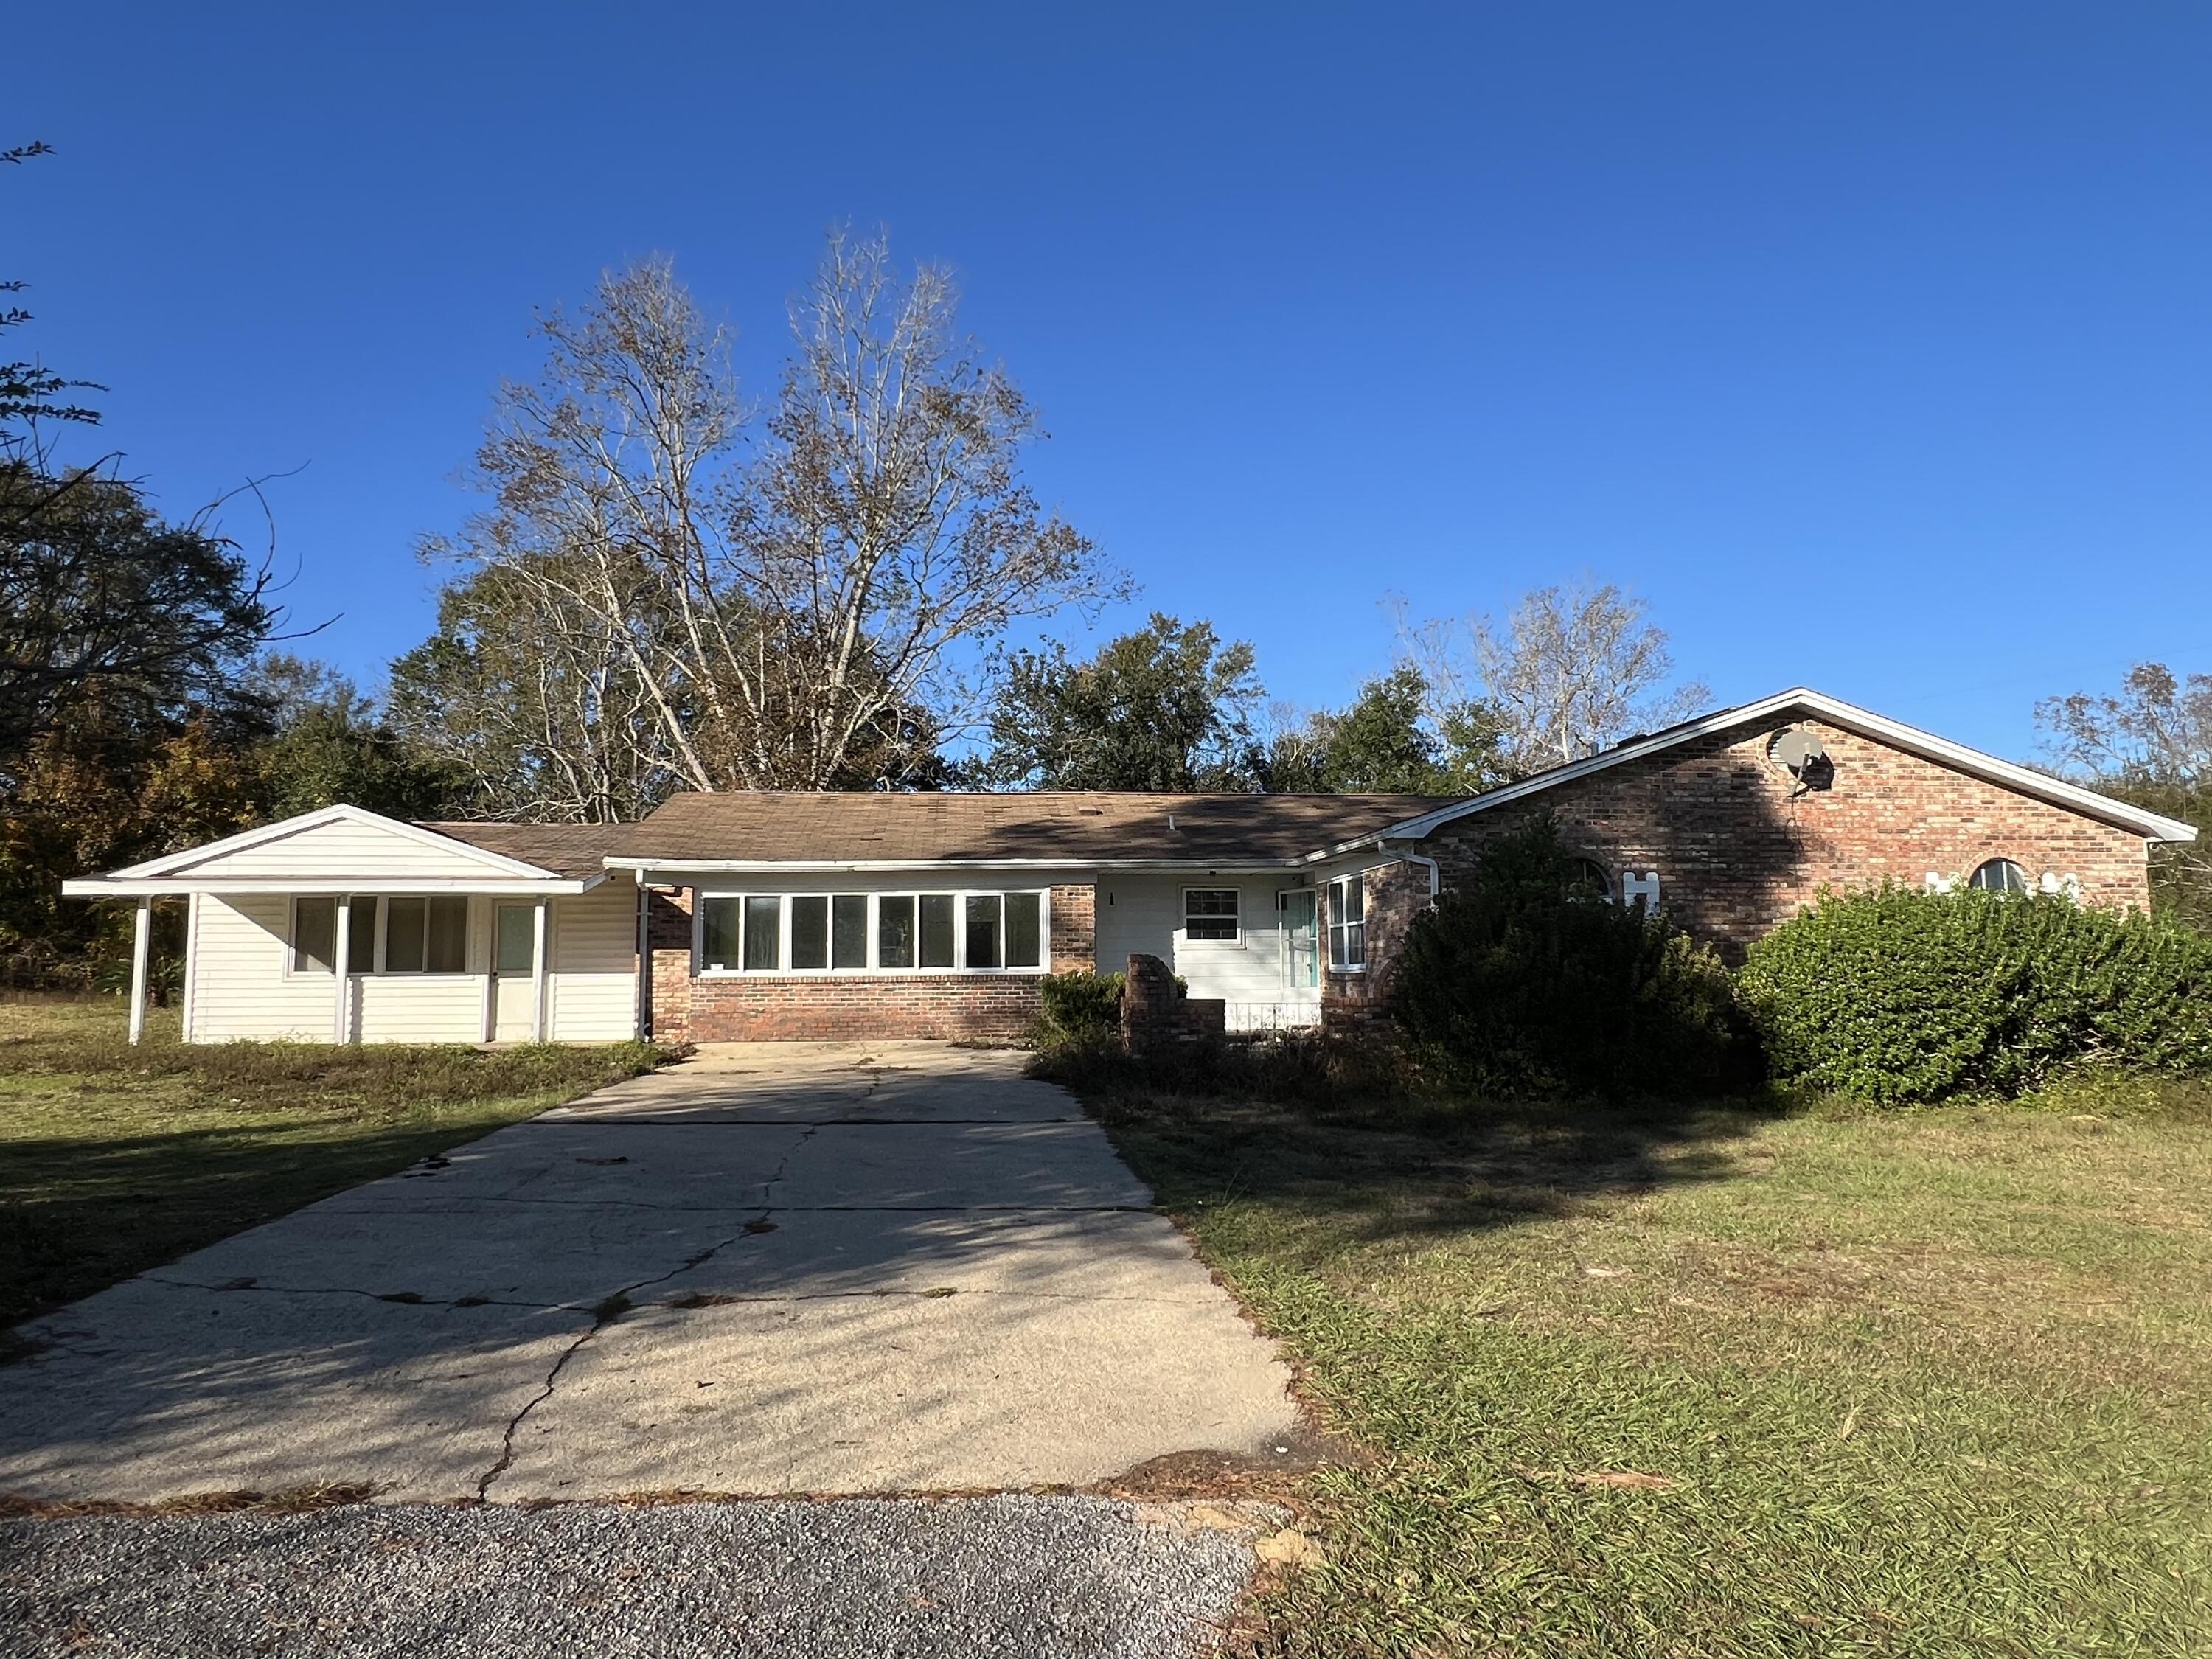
[1090, 812]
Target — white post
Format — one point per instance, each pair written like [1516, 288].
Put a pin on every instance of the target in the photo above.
[340, 956]
[141, 943]
[537, 999]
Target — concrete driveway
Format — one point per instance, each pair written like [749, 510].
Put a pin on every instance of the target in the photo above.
[774, 1269]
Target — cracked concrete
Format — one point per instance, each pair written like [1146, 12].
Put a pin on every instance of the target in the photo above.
[776, 1269]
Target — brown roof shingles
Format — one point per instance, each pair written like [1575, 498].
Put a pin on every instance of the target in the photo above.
[1102, 827]
[575, 850]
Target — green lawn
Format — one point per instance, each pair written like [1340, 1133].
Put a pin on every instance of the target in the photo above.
[114, 1160]
[1722, 1382]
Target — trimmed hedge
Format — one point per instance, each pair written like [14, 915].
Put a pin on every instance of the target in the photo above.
[1526, 985]
[1898, 996]
[1083, 1009]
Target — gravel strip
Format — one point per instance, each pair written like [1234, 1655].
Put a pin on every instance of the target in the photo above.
[1038, 1577]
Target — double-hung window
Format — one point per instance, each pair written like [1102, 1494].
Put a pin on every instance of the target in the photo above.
[1211, 912]
[1348, 922]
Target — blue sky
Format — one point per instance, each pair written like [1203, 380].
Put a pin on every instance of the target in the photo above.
[1869, 344]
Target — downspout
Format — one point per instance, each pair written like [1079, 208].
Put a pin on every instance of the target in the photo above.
[644, 1020]
[1436, 873]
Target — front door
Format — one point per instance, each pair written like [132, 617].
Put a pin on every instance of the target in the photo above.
[1301, 938]
[514, 972]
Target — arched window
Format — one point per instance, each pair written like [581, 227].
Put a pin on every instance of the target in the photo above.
[1999, 876]
[1590, 881]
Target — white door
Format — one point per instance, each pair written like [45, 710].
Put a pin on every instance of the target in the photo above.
[1301, 938]
[514, 972]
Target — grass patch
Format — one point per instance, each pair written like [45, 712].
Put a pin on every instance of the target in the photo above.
[114, 1160]
[1726, 1380]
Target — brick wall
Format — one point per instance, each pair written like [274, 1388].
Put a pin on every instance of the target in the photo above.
[867, 1008]
[1396, 893]
[1739, 847]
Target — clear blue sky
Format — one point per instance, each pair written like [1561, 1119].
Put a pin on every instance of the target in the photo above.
[1868, 343]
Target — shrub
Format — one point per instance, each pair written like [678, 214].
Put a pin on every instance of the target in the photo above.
[1524, 985]
[1897, 996]
[1081, 1009]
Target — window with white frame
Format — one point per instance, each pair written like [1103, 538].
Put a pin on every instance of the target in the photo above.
[1211, 912]
[863, 933]
[1348, 922]
[402, 935]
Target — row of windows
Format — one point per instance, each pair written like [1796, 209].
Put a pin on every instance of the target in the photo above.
[863, 932]
[404, 935]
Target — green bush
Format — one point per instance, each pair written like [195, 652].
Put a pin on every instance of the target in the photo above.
[1897, 996]
[1083, 1009]
[1528, 985]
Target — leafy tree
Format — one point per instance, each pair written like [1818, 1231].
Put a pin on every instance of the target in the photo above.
[102, 602]
[2149, 743]
[331, 744]
[714, 611]
[1386, 742]
[1168, 706]
[1573, 671]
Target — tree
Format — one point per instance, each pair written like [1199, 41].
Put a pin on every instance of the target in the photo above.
[1386, 742]
[331, 743]
[1168, 706]
[2151, 743]
[102, 601]
[785, 610]
[1573, 671]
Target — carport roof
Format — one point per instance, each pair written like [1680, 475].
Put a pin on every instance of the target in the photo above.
[790, 827]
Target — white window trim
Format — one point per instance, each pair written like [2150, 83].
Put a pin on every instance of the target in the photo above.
[959, 896]
[291, 940]
[380, 912]
[1329, 964]
[1188, 942]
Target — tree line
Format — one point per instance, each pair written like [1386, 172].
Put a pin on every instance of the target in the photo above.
[673, 585]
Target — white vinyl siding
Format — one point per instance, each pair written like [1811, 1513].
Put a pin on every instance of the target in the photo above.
[310, 855]
[594, 962]
[244, 988]
[1146, 914]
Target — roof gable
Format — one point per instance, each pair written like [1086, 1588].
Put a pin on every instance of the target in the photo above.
[1802, 700]
[335, 839]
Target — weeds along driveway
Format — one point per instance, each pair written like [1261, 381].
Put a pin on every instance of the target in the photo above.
[777, 1268]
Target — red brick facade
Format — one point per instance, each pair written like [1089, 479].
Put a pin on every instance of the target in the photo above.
[1739, 846]
[867, 1008]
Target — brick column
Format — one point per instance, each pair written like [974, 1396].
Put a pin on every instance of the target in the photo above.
[1074, 930]
[668, 935]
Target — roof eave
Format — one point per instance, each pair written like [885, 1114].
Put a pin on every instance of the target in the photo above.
[1975, 762]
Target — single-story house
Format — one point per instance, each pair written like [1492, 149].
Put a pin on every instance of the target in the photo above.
[871, 916]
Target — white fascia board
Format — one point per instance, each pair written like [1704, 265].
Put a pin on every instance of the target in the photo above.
[666, 872]
[120, 886]
[1803, 700]
[174, 863]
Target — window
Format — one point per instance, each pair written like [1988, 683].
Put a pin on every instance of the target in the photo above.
[763, 933]
[810, 933]
[831, 932]
[937, 930]
[1348, 922]
[848, 931]
[2000, 876]
[895, 932]
[1210, 912]
[1024, 930]
[984, 912]
[361, 936]
[515, 947]
[1590, 881]
[314, 934]
[717, 934]
[425, 935]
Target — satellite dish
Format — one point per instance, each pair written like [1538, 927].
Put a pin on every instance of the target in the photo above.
[1800, 753]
